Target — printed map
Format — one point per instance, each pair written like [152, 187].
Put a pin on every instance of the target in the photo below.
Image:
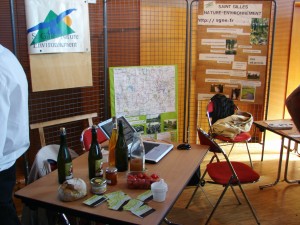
[147, 90]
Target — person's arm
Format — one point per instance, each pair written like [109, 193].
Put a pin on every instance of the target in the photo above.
[4, 106]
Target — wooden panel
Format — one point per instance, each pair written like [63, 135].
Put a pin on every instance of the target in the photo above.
[280, 59]
[162, 42]
[60, 71]
[294, 68]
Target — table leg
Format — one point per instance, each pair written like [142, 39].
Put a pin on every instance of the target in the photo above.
[287, 166]
[262, 130]
[263, 146]
[279, 167]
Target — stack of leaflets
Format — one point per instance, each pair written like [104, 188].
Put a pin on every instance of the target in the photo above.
[280, 125]
[120, 201]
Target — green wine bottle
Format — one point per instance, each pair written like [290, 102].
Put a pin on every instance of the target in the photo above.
[64, 160]
[112, 143]
[121, 153]
[95, 158]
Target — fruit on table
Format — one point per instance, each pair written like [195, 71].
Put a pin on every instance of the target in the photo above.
[140, 180]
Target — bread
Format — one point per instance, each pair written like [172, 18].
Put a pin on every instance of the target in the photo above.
[72, 190]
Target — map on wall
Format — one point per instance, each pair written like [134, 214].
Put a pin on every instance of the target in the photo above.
[147, 97]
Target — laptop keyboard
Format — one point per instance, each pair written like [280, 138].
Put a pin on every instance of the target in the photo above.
[149, 146]
[156, 152]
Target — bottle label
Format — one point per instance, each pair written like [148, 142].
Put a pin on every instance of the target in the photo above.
[69, 170]
[99, 168]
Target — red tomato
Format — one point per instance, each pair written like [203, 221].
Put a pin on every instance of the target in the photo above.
[130, 177]
[141, 175]
[154, 176]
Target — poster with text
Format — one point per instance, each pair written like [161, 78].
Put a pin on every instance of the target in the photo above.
[232, 47]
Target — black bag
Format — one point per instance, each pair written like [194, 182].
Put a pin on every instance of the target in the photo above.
[195, 178]
[223, 107]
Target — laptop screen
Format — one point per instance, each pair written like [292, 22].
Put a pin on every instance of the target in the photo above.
[154, 151]
[128, 130]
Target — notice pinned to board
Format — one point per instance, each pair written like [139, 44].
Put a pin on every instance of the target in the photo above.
[229, 14]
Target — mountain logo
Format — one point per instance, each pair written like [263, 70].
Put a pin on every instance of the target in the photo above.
[54, 26]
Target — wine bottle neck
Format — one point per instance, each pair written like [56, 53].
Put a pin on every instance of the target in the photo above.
[63, 140]
[94, 137]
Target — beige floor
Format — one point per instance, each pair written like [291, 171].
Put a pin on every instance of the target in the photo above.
[278, 205]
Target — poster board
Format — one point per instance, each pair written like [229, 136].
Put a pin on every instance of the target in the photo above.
[60, 71]
[147, 97]
[232, 48]
[58, 41]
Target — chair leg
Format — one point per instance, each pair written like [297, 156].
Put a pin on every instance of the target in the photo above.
[217, 204]
[249, 204]
[202, 183]
[250, 160]
[169, 222]
[231, 149]
[198, 186]
[236, 196]
[65, 219]
[249, 155]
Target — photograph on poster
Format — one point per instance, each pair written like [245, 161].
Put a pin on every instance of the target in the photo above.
[231, 46]
[253, 75]
[235, 93]
[248, 93]
[259, 31]
[217, 88]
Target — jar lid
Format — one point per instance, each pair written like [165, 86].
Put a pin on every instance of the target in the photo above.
[98, 181]
[111, 169]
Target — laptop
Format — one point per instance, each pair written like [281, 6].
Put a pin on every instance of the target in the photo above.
[154, 151]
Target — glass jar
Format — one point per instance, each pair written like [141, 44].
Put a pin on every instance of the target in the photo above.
[137, 154]
[98, 185]
[111, 175]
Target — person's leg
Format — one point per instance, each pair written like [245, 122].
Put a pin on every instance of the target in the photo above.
[8, 214]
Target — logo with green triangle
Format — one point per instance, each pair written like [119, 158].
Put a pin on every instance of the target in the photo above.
[54, 26]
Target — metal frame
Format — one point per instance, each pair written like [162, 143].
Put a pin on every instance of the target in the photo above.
[233, 181]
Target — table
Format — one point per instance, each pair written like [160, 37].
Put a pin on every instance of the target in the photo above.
[290, 134]
[176, 168]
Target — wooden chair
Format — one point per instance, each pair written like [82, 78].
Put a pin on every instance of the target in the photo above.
[40, 126]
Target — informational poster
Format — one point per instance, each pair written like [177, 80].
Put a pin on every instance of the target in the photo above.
[232, 47]
[147, 97]
[58, 35]
[57, 26]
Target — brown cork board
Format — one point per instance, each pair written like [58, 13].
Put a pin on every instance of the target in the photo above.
[232, 49]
